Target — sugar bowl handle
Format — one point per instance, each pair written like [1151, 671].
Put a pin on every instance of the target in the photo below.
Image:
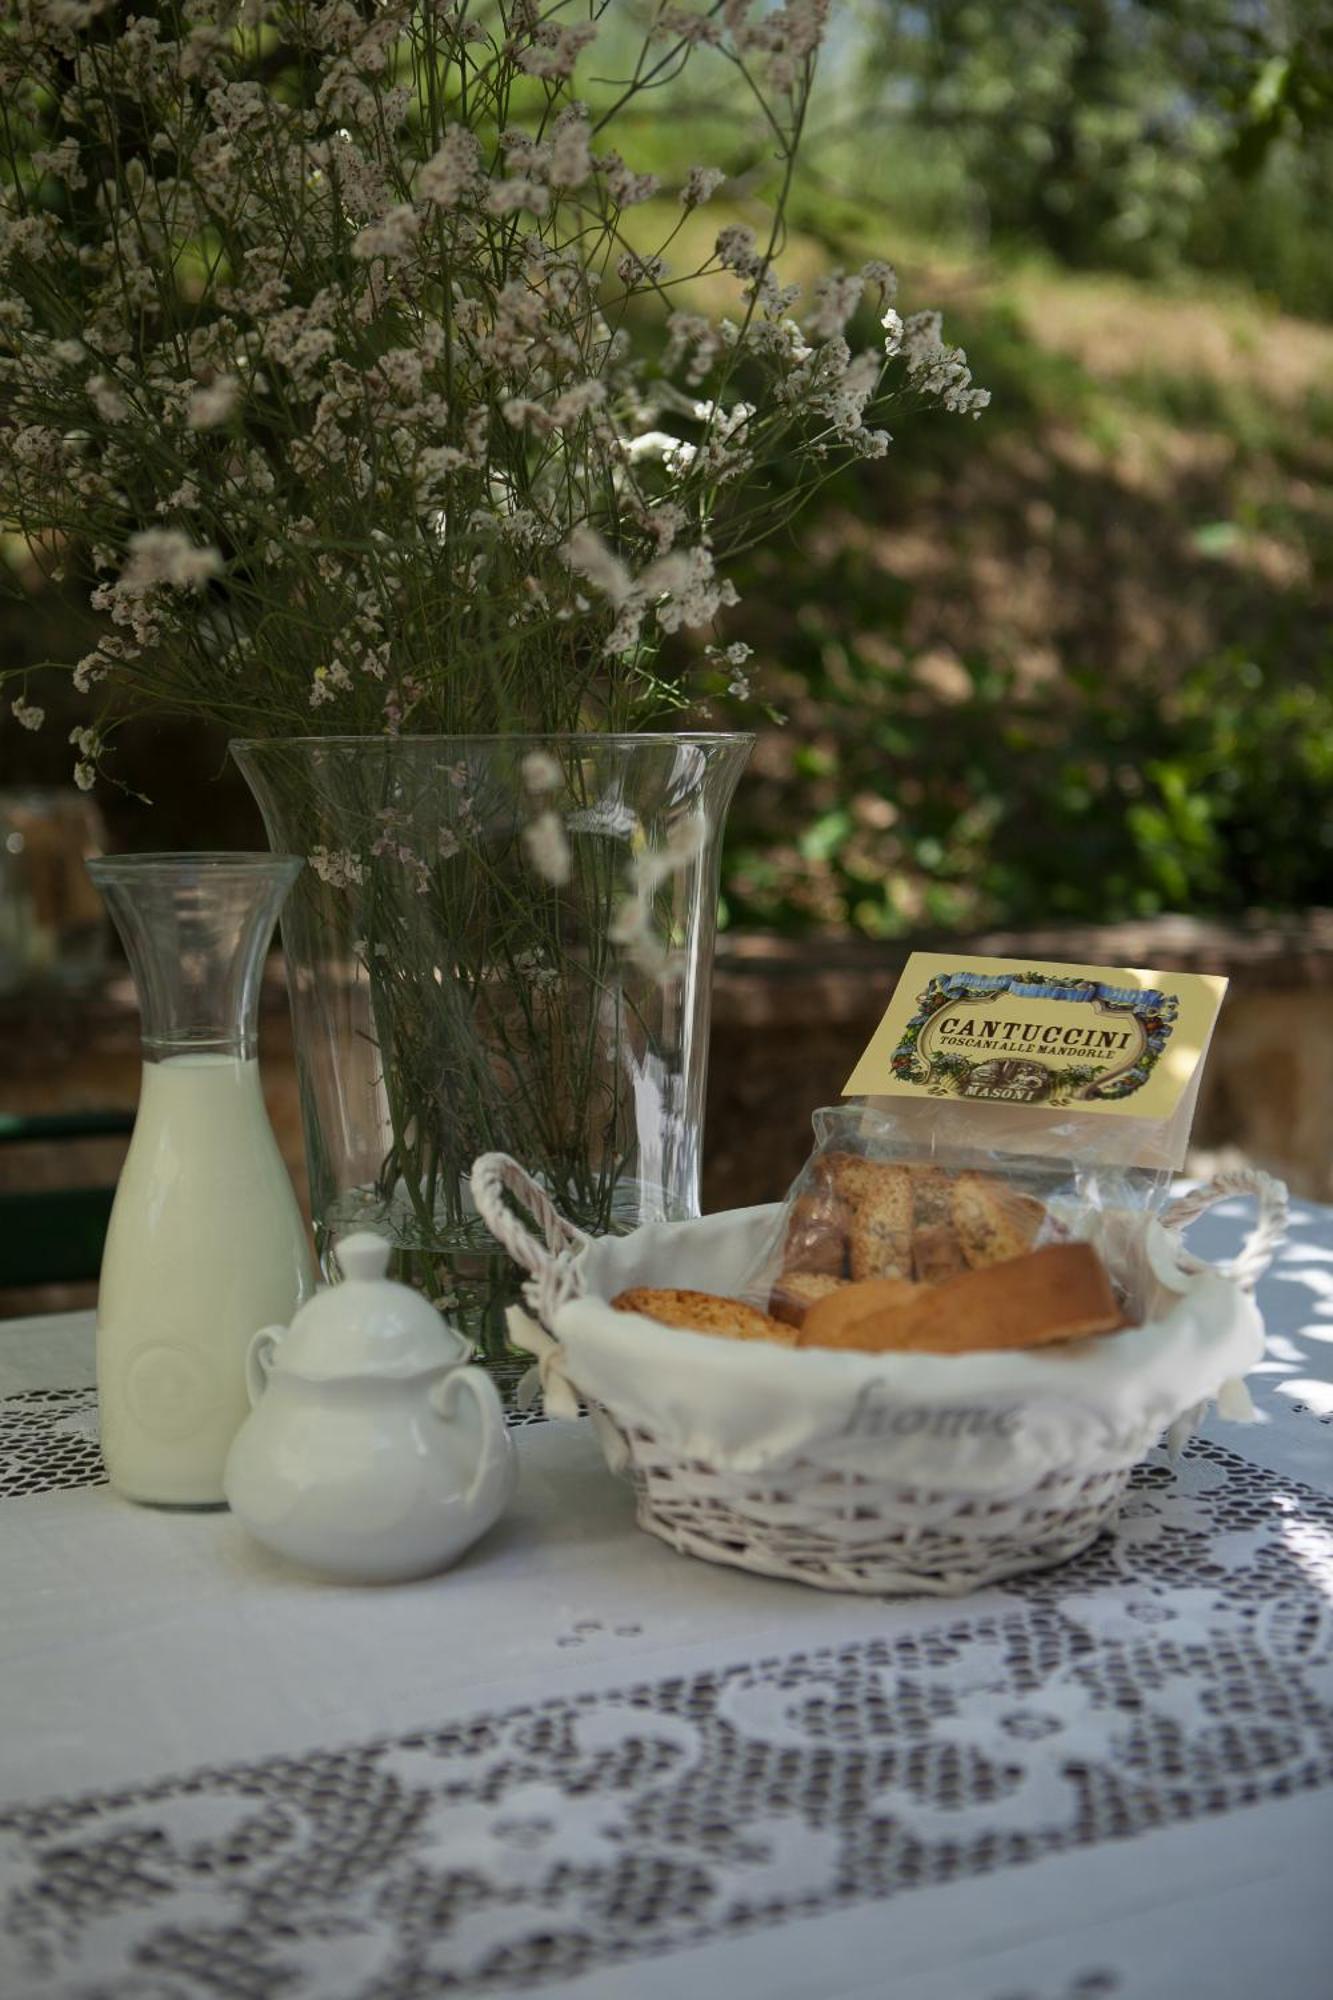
[259, 1359]
[494, 1478]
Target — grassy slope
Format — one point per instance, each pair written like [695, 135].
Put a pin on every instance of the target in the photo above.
[1024, 660]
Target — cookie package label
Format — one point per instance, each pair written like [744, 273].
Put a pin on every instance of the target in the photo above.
[1007, 1031]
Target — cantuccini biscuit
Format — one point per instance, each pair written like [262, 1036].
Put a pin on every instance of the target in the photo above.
[796, 1291]
[818, 1229]
[936, 1251]
[833, 1320]
[1057, 1293]
[993, 1222]
[705, 1312]
[879, 1200]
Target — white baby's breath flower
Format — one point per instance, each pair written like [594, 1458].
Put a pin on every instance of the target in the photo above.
[631, 929]
[702, 184]
[554, 50]
[735, 249]
[541, 772]
[571, 156]
[164, 556]
[837, 297]
[547, 848]
[588, 555]
[936, 369]
[392, 236]
[86, 741]
[213, 403]
[340, 869]
[508, 197]
[731, 659]
[452, 172]
[635, 269]
[625, 187]
[26, 713]
[673, 452]
[107, 400]
[85, 777]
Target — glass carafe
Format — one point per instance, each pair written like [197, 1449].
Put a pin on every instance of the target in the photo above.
[206, 1242]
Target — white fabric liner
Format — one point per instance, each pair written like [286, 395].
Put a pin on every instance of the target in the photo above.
[984, 1423]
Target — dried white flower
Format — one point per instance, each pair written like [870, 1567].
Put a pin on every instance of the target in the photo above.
[554, 50]
[587, 553]
[571, 155]
[212, 405]
[936, 369]
[876, 271]
[392, 236]
[507, 197]
[547, 848]
[837, 297]
[625, 187]
[735, 249]
[164, 556]
[455, 416]
[702, 184]
[340, 868]
[676, 454]
[453, 171]
[26, 713]
[541, 772]
[107, 400]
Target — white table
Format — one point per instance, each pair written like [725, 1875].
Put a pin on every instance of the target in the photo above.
[582, 1765]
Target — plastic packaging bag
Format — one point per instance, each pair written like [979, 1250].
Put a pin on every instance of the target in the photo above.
[890, 1196]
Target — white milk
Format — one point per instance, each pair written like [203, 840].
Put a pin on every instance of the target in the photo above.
[206, 1245]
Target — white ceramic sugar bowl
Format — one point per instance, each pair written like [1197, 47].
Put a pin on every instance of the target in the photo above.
[371, 1453]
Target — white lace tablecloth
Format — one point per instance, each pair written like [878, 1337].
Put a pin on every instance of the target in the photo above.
[582, 1765]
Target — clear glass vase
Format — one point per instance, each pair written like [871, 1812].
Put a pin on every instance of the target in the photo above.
[206, 1243]
[501, 943]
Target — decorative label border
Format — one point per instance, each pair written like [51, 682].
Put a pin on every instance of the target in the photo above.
[1032, 1077]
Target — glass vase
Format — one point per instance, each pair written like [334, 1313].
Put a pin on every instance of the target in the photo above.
[500, 944]
[206, 1243]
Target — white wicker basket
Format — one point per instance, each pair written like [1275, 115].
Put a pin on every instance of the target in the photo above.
[865, 1472]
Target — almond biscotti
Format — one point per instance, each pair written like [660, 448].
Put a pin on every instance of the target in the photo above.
[705, 1312]
[879, 1203]
[796, 1291]
[992, 1220]
[1058, 1293]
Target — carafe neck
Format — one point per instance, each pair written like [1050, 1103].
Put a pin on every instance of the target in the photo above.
[195, 929]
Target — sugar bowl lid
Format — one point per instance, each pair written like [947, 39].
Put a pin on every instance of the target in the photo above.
[369, 1325]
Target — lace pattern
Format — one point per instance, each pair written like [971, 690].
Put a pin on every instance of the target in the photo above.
[1181, 1670]
[48, 1437]
[48, 1442]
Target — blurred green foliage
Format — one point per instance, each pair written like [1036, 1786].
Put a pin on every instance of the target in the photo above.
[1112, 769]
[1131, 134]
[1074, 661]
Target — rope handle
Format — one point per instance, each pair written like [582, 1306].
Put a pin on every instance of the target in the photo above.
[1260, 1246]
[551, 1277]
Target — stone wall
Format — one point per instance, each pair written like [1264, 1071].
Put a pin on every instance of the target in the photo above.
[789, 1021]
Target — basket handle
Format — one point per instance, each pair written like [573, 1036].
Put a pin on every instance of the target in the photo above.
[1260, 1246]
[552, 1278]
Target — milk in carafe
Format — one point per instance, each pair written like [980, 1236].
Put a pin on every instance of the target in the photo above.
[206, 1245]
